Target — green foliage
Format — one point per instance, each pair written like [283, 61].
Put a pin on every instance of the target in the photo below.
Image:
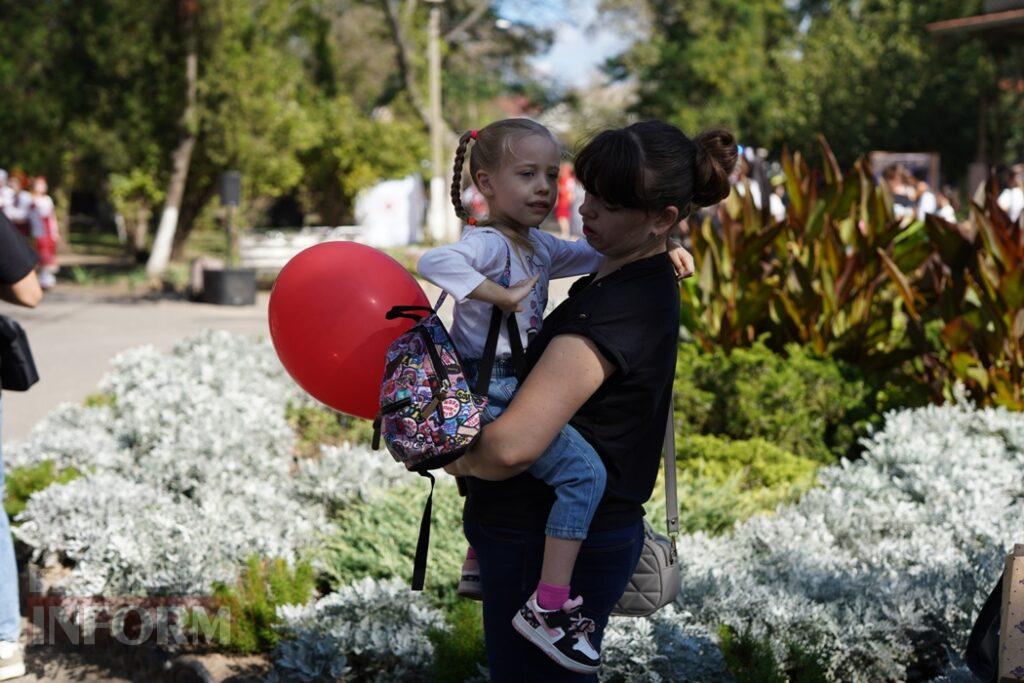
[349, 151]
[316, 426]
[459, 649]
[378, 539]
[21, 482]
[982, 306]
[782, 72]
[721, 482]
[797, 401]
[832, 275]
[100, 400]
[752, 660]
[252, 604]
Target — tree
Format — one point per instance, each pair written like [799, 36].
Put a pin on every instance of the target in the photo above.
[181, 157]
[867, 74]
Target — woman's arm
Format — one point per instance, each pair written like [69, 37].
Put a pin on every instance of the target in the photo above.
[567, 374]
[25, 292]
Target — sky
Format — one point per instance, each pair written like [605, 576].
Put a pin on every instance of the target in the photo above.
[580, 46]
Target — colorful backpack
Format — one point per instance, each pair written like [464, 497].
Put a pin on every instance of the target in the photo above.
[429, 415]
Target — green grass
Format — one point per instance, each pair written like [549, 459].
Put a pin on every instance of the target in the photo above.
[22, 482]
[252, 603]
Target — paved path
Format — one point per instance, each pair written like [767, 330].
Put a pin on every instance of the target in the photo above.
[76, 331]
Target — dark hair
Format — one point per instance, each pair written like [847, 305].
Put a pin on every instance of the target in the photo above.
[653, 165]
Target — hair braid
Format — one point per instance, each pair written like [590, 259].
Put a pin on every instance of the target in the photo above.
[460, 156]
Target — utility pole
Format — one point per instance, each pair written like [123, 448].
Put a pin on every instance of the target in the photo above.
[436, 218]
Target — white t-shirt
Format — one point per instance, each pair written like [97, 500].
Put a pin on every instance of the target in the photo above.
[16, 205]
[480, 255]
[1011, 200]
[39, 210]
[927, 203]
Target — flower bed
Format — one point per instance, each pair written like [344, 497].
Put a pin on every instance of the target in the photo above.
[188, 467]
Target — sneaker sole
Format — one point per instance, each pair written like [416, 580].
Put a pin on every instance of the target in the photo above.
[12, 671]
[470, 590]
[526, 631]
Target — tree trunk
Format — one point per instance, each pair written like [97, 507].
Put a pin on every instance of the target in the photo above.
[403, 54]
[181, 158]
[201, 194]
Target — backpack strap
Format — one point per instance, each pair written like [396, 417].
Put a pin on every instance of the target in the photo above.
[419, 564]
[515, 342]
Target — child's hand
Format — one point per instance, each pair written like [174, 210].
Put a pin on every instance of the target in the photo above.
[682, 260]
[515, 293]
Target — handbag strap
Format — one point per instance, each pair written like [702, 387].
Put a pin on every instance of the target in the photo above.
[669, 452]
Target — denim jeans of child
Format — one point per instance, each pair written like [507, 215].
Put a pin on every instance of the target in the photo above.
[570, 465]
[10, 613]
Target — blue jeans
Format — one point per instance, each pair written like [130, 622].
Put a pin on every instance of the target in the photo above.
[10, 611]
[570, 465]
[510, 562]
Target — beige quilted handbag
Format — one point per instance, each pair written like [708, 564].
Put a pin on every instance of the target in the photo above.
[655, 582]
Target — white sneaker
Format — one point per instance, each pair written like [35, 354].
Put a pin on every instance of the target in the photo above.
[12, 660]
[563, 634]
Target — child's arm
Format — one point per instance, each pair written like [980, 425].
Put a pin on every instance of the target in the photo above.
[682, 260]
[579, 258]
[456, 268]
[570, 258]
[506, 298]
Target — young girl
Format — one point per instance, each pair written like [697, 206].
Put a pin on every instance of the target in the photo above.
[508, 263]
[42, 218]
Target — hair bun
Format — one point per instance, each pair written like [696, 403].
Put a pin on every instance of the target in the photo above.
[716, 157]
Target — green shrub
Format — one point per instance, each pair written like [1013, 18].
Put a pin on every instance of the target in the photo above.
[721, 482]
[459, 650]
[378, 539]
[22, 482]
[253, 601]
[100, 400]
[316, 426]
[751, 660]
[803, 403]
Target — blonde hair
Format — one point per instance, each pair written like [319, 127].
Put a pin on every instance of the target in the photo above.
[491, 146]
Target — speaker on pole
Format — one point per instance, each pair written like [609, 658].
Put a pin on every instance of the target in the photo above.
[230, 188]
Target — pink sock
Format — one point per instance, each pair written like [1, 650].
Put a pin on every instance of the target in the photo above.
[470, 553]
[551, 597]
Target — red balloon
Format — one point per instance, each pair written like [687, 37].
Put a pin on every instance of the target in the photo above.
[327, 321]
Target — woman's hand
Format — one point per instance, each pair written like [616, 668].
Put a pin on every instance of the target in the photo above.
[682, 260]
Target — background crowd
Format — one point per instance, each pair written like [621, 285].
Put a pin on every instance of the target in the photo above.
[26, 203]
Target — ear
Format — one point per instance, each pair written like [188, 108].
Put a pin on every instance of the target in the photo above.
[666, 219]
[483, 182]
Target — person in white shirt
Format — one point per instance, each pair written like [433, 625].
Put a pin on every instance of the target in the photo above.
[1011, 198]
[507, 263]
[927, 202]
[16, 205]
[6, 195]
[42, 220]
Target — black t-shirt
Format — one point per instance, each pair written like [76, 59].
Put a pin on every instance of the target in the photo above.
[16, 258]
[632, 315]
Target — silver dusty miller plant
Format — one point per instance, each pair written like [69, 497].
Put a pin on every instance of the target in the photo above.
[880, 571]
[379, 627]
[187, 472]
